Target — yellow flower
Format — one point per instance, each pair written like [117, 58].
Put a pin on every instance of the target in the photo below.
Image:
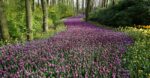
[149, 75]
[148, 26]
[140, 71]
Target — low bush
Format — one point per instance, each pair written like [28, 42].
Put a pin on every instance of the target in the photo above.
[126, 13]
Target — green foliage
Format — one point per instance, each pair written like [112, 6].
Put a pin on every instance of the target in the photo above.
[54, 14]
[51, 32]
[65, 10]
[16, 18]
[125, 13]
[37, 20]
[137, 57]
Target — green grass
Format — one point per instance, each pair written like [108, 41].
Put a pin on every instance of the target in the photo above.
[137, 57]
[50, 33]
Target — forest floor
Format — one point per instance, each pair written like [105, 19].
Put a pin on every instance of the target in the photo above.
[74, 52]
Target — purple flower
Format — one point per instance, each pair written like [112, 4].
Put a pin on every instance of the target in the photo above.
[82, 50]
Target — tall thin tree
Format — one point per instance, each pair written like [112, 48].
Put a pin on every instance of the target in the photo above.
[106, 3]
[29, 19]
[113, 2]
[45, 15]
[38, 2]
[83, 4]
[77, 6]
[87, 10]
[33, 5]
[3, 22]
[48, 2]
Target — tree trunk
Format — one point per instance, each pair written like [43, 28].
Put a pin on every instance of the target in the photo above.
[48, 2]
[77, 6]
[106, 3]
[4, 32]
[29, 20]
[87, 10]
[73, 5]
[99, 3]
[91, 5]
[45, 15]
[82, 4]
[113, 2]
[103, 3]
[33, 5]
[68, 2]
[53, 2]
[38, 2]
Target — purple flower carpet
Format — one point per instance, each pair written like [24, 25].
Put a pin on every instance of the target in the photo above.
[82, 51]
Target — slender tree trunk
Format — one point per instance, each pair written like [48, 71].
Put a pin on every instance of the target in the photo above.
[113, 2]
[45, 15]
[87, 10]
[106, 3]
[91, 5]
[29, 20]
[82, 4]
[103, 3]
[4, 32]
[48, 2]
[73, 5]
[53, 2]
[38, 2]
[33, 5]
[77, 6]
[67, 2]
[100, 3]
[0, 32]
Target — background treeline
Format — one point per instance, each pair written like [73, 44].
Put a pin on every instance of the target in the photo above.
[22, 20]
[122, 12]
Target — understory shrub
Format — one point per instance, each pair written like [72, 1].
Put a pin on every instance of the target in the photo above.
[126, 13]
[65, 11]
[16, 19]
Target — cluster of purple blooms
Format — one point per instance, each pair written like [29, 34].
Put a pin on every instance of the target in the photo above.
[82, 51]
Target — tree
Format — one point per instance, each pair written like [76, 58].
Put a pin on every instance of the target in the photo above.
[82, 4]
[106, 3]
[53, 2]
[28, 20]
[113, 2]
[77, 6]
[48, 2]
[38, 2]
[33, 5]
[91, 5]
[45, 15]
[87, 10]
[3, 22]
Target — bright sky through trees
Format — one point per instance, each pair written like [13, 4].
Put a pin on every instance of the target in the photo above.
[80, 2]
